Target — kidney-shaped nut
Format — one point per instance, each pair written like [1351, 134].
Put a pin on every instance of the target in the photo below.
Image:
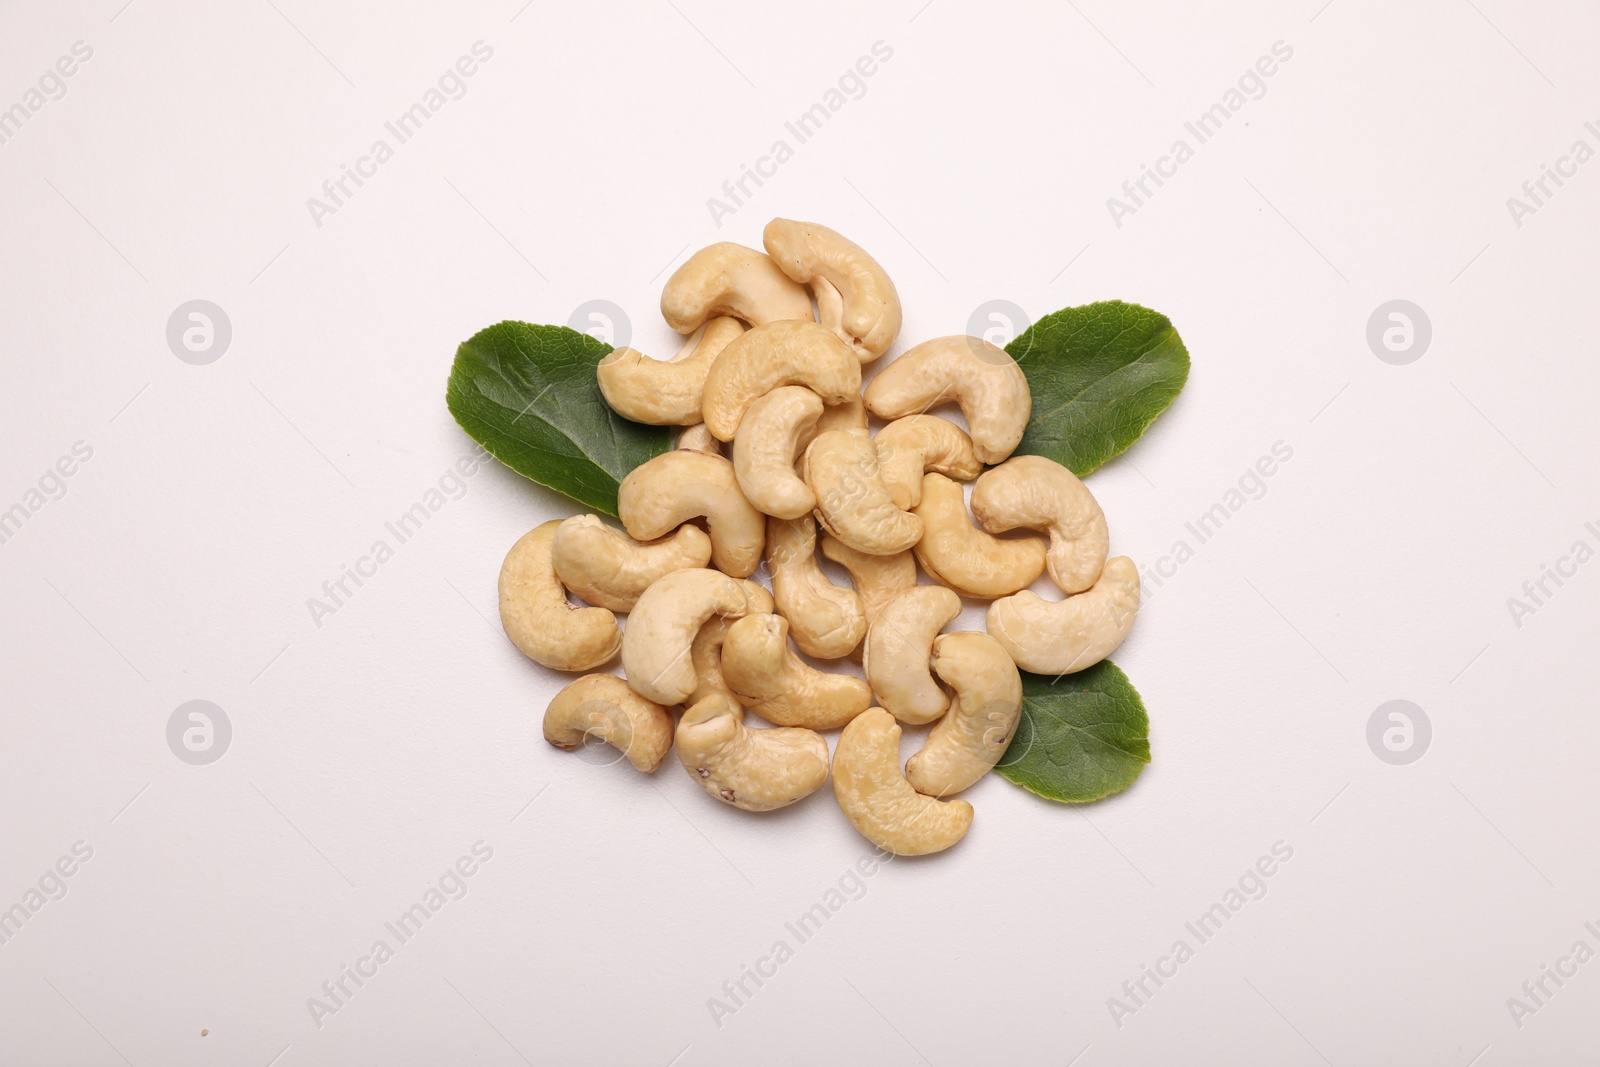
[877, 579]
[916, 444]
[966, 744]
[1063, 636]
[655, 647]
[773, 682]
[664, 492]
[1035, 493]
[878, 800]
[705, 651]
[664, 392]
[899, 647]
[958, 554]
[854, 294]
[609, 569]
[602, 706]
[756, 770]
[730, 279]
[825, 620]
[779, 353]
[841, 466]
[984, 380]
[698, 439]
[541, 622]
[765, 449]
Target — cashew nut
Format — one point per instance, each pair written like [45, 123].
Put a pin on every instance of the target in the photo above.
[1060, 637]
[674, 487]
[841, 466]
[778, 685]
[609, 569]
[1036, 493]
[779, 353]
[764, 451]
[604, 706]
[655, 647]
[877, 579]
[539, 619]
[699, 439]
[878, 800]
[851, 415]
[664, 392]
[964, 745]
[706, 649]
[756, 770]
[852, 290]
[730, 279]
[984, 380]
[958, 554]
[909, 447]
[826, 620]
[899, 645]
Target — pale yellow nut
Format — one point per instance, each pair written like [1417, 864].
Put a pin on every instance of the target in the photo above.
[609, 569]
[697, 438]
[602, 706]
[656, 654]
[854, 294]
[909, 447]
[664, 392]
[1063, 636]
[757, 770]
[877, 579]
[773, 682]
[730, 279]
[966, 744]
[825, 620]
[1035, 493]
[841, 466]
[851, 415]
[878, 800]
[984, 380]
[779, 353]
[899, 647]
[667, 491]
[765, 449]
[705, 651]
[958, 554]
[541, 622]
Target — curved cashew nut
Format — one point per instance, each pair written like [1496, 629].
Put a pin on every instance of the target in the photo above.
[539, 619]
[705, 651]
[604, 706]
[609, 569]
[854, 292]
[958, 554]
[779, 353]
[1040, 494]
[778, 685]
[899, 647]
[730, 279]
[764, 451]
[964, 745]
[841, 466]
[655, 647]
[756, 770]
[878, 800]
[825, 620]
[674, 487]
[984, 380]
[697, 438]
[909, 447]
[851, 415]
[664, 392]
[1060, 637]
[877, 579]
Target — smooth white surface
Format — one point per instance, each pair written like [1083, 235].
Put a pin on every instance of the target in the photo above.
[372, 751]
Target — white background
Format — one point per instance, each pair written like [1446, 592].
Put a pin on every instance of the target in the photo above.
[372, 751]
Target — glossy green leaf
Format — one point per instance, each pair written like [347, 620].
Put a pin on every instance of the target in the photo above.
[1082, 736]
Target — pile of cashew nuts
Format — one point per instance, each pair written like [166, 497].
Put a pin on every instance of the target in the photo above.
[776, 443]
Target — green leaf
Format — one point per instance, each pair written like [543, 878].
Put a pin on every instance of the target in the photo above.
[1099, 374]
[1082, 736]
[529, 395]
